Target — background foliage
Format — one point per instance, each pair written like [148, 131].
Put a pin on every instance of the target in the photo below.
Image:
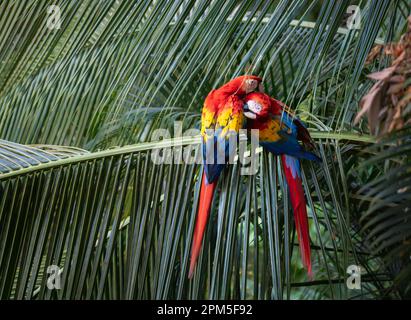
[118, 224]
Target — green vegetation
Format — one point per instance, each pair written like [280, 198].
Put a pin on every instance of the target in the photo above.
[79, 189]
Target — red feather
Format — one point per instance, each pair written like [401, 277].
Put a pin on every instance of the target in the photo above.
[300, 212]
[206, 198]
[215, 101]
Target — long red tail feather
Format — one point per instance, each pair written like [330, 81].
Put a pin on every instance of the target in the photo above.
[206, 198]
[300, 212]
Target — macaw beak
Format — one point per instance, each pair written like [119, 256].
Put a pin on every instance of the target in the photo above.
[250, 115]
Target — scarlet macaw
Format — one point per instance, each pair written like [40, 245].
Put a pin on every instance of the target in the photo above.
[280, 133]
[223, 115]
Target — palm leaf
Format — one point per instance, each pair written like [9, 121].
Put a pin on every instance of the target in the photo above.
[95, 75]
[120, 226]
[117, 224]
[385, 220]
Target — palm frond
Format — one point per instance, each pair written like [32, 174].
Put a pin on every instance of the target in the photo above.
[386, 217]
[135, 56]
[119, 226]
[14, 156]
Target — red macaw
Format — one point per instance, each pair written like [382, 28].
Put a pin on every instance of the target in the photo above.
[222, 116]
[280, 133]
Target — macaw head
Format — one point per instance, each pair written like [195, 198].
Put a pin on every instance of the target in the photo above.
[242, 85]
[257, 104]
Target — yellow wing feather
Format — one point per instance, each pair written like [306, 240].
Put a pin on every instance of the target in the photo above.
[270, 131]
[208, 121]
[231, 118]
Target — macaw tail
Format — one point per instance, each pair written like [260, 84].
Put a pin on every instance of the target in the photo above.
[206, 198]
[292, 173]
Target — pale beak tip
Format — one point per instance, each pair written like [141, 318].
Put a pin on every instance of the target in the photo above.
[250, 115]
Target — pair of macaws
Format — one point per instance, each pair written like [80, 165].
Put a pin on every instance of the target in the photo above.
[234, 106]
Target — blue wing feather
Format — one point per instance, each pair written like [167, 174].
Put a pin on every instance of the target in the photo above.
[216, 149]
[288, 144]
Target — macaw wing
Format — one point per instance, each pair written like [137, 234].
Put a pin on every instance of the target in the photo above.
[208, 119]
[283, 138]
[219, 145]
[298, 126]
[299, 129]
[287, 144]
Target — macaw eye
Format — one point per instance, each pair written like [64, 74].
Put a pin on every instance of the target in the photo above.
[251, 85]
[254, 106]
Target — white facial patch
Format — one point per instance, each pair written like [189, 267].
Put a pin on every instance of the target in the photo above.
[254, 106]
